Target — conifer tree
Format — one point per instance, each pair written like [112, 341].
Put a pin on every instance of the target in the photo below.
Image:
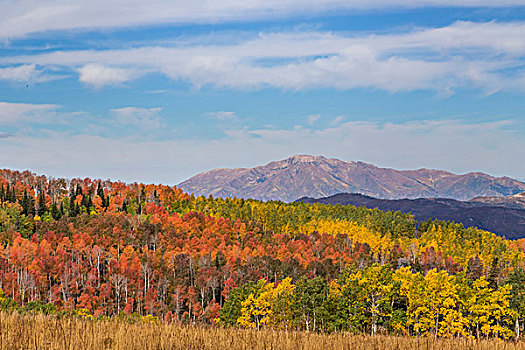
[24, 202]
[493, 274]
[55, 213]
[100, 191]
[41, 203]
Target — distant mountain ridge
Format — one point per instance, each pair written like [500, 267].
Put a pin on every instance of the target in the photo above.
[500, 220]
[317, 176]
[516, 201]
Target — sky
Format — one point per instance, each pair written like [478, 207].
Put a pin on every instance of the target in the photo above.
[158, 91]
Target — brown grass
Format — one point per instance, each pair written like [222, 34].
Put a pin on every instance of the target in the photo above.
[46, 332]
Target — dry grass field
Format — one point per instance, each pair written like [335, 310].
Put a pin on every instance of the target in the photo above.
[47, 332]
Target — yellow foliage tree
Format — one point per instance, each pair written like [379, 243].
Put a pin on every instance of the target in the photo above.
[489, 310]
[433, 303]
[269, 306]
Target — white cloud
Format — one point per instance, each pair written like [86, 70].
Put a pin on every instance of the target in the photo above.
[98, 75]
[492, 147]
[26, 73]
[12, 113]
[18, 73]
[21, 17]
[311, 119]
[144, 118]
[223, 115]
[479, 55]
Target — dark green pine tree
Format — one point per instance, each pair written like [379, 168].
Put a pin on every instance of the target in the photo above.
[55, 213]
[2, 194]
[42, 208]
[11, 194]
[89, 202]
[25, 203]
[79, 191]
[494, 274]
[100, 191]
[124, 207]
[72, 207]
[30, 205]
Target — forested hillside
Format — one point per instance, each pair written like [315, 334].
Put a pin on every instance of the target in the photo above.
[115, 249]
[504, 221]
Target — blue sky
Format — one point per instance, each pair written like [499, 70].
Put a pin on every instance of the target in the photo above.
[158, 91]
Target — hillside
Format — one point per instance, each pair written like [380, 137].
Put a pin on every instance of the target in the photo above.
[316, 176]
[516, 201]
[92, 249]
[500, 220]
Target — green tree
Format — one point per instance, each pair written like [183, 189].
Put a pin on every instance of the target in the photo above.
[517, 302]
[309, 305]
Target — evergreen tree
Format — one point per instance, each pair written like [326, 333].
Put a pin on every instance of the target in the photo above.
[79, 191]
[25, 204]
[55, 213]
[41, 203]
[11, 194]
[72, 208]
[100, 192]
[30, 205]
[494, 273]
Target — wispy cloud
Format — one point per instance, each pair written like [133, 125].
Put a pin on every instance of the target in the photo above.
[26, 73]
[311, 119]
[142, 118]
[12, 113]
[223, 115]
[18, 73]
[487, 56]
[22, 17]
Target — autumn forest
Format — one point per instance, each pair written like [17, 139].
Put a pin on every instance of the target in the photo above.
[102, 250]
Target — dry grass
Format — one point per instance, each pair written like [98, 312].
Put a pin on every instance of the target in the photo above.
[44, 332]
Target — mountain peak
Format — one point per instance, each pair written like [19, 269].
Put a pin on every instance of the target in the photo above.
[317, 176]
[304, 158]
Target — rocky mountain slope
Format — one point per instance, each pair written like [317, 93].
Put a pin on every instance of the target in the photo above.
[500, 220]
[317, 176]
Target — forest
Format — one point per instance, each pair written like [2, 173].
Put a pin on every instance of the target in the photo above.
[103, 249]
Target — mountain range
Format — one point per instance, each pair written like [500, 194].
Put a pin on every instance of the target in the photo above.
[501, 220]
[316, 176]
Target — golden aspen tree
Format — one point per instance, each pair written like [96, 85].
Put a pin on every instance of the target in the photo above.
[255, 310]
[489, 310]
[377, 286]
